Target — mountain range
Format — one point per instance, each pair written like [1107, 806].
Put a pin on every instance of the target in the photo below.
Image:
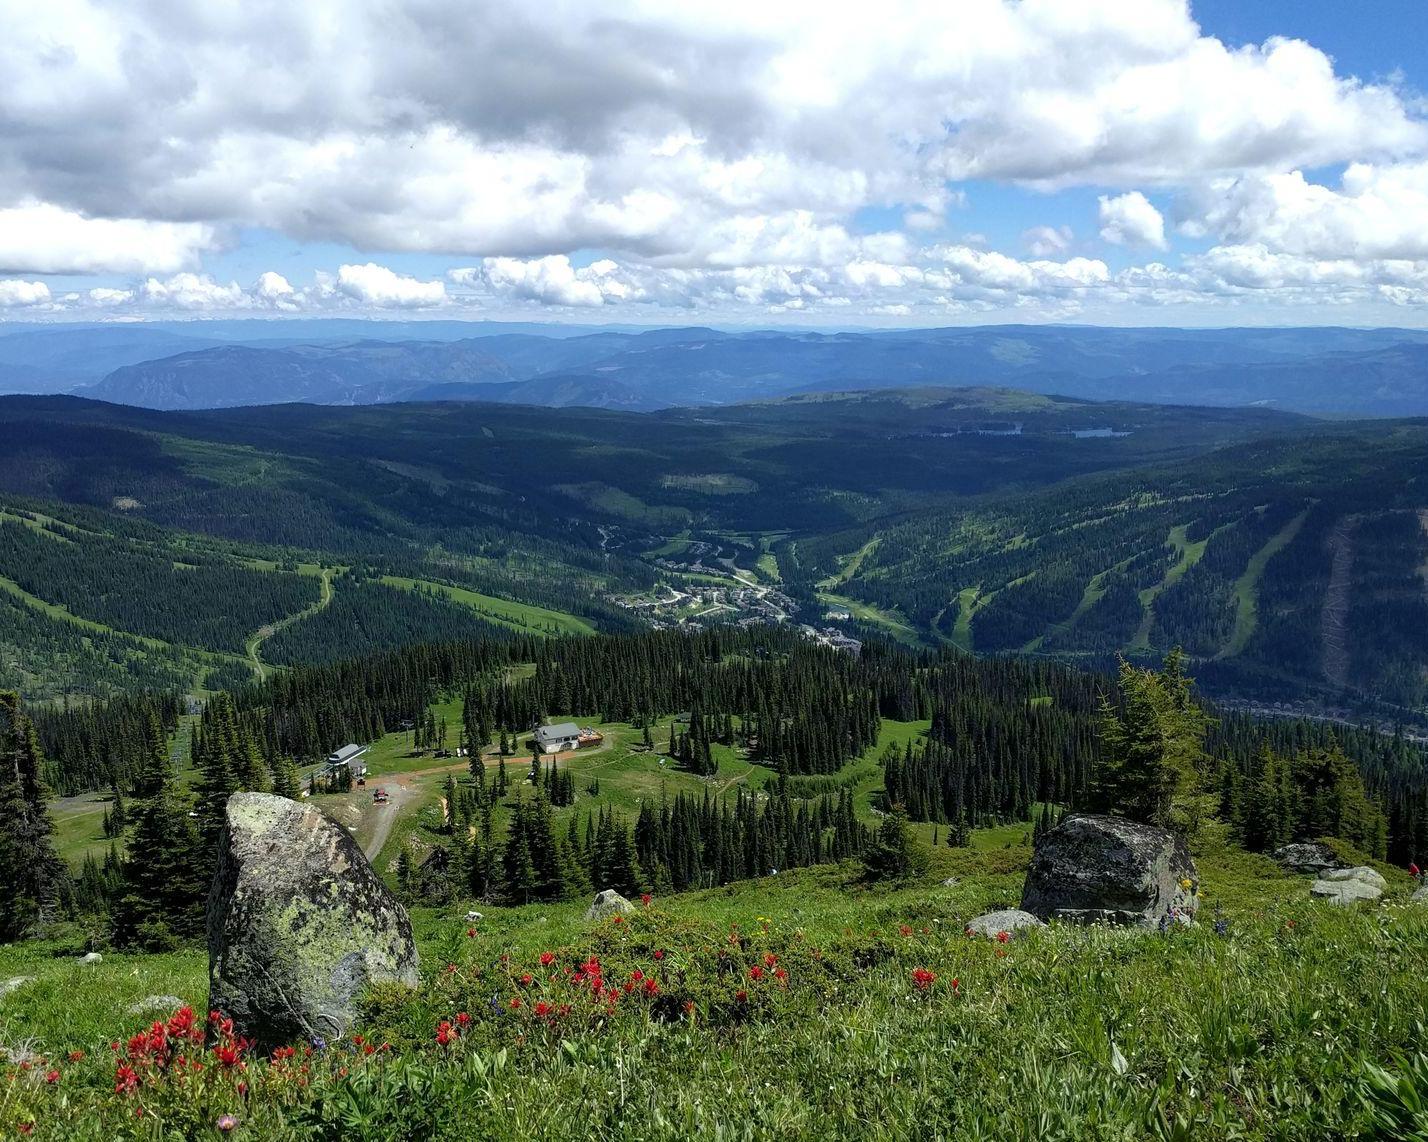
[1321, 371]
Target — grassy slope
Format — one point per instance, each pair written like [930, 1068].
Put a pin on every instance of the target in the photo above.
[1258, 1033]
[1247, 586]
[517, 616]
[1189, 555]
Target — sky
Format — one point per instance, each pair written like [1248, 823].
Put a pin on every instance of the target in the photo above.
[906, 163]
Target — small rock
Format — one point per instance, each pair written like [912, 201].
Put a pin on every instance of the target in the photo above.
[1009, 920]
[1420, 895]
[91, 958]
[473, 916]
[1099, 868]
[608, 903]
[17, 981]
[951, 882]
[1307, 857]
[155, 1003]
[1348, 885]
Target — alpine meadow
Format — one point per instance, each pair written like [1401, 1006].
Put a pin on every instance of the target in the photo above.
[644, 572]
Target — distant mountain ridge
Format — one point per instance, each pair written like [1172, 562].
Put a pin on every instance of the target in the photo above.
[1321, 371]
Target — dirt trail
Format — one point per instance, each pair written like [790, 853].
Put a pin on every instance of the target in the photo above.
[1334, 619]
[255, 642]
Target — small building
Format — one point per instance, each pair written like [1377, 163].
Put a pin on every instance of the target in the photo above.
[349, 756]
[557, 738]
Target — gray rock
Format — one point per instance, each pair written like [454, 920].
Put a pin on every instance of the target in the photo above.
[155, 1003]
[951, 882]
[1348, 885]
[607, 903]
[298, 924]
[1092, 867]
[91, 958]
[1009, 920]
[1307, 857]
[1420, 895]
[14, 982]
[1362, 873]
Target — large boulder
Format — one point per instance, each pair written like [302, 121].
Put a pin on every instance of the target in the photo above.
[1349, 885]
[608, 903]
[1311, 857]
[1008, 920]
[1420, 895]
[1092, 867]
[298, 924]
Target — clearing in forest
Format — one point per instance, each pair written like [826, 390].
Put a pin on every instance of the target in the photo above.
[1190, 554]
[1334, 619]
[1247, 587]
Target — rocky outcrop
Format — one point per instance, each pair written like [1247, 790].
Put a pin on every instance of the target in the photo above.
[608, 903]
[298, 924]
[1311, 857]
[1349, 885]
[1008, 920]
[1420, 895]
[1092, 867]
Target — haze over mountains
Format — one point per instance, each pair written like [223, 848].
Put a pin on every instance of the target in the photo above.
[1322, 371]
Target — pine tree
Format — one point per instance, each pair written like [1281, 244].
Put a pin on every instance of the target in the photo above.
[895, 854]
[37, 884]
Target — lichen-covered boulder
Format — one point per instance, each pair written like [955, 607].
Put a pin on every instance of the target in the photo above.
[1092, 867]
[1420, 895]
[607, 903]
[1008, 920]
[1307, 857]
[1349, 885]
[298, 924]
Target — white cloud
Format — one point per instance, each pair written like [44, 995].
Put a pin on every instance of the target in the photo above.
[14, 292]
[1044, 241]
[1130, 220]
[1377, 212]
[382, 288]
[42, 238]
[551, 280]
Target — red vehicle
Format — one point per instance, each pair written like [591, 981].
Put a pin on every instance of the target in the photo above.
[379, 796]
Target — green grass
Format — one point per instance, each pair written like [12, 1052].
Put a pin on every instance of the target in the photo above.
[1247, 587]
[517, 616]
[1189, 554]
[890, 623]
[1262, 1032]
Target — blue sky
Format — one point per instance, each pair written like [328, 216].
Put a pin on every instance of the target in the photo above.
[1111, 161]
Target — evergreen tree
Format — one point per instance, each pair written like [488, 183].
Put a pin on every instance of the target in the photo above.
[37, 884]
[895, 853]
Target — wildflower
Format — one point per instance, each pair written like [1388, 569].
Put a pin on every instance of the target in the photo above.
[526, 979]
[52, 1077]
[515, 1002]
[651, 987]
[368, 1049]
[923, 979]
[741, 996]
[445, 1033]
[904, 930]
[1186, 883]
[76, 1056]
[463, 1019]
[470, 933]
[1222, 927]
[226, 1123]
[637, 975]
[646, 899]
[226, 1055]
[659, 953]
[619, 919]
[770, 959]
[542, 1008]
[319, 1043]
[243, 1087]
[27, 1128]
[780, 975]
[956, 983]
[1003, 937]
[546, 959]
[1001, 952]
[689, 1008]
[756, 972]
[125, 1079]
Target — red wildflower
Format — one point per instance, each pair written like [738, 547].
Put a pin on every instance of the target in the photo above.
[956, 983]
[923, 979]
[515, 1002]
[27, 1128]
[756, 972]
[470, 933]
[689, 1007]
[226, 1055]
[125, 1079]
[75, 1056]
[368, 1049]
[542, 1008]
[463, 1019]
[770, 959]
[651, 987]
[445, 1032]
[659, 953]
[637, 975]
[619, 919]
[904, 930]
[646, 899]
[52, 1077]
[1003, 937]
[282, 1053]
[741, 996]
[526, 979]
[546, 959]
[629, 987]
[780, 975]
